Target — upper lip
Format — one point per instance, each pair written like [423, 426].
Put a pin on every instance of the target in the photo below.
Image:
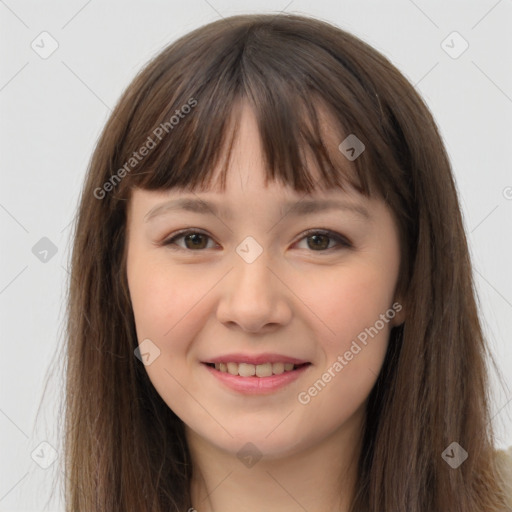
[255, 359]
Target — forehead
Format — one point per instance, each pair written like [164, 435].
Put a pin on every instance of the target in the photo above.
[245, 160]
[256, 159]
[248, 182]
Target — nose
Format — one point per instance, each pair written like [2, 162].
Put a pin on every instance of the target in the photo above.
[254, 296]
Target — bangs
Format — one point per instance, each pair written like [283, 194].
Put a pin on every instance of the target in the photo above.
[187, 115]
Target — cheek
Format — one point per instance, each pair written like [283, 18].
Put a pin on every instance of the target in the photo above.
[350, 300]
[152, 301]
[163, 299]
[167, 310]
[353, 306]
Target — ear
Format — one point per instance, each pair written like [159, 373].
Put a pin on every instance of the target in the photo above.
[400, 313]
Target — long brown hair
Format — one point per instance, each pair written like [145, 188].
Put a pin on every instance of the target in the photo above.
[125, 449]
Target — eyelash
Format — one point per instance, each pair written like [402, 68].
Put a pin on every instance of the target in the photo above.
[343, 242]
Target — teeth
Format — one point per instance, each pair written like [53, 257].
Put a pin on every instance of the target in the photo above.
[264, 370]
[232, 368]
[249, 370]
[277, 368]
[246, 370]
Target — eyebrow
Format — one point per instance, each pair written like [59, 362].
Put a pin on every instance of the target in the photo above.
[293, 208]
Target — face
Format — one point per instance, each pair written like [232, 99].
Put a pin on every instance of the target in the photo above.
[251, 285]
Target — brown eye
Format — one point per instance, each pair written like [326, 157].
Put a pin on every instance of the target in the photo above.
[317, 240]
[320, 240]
[193, 240]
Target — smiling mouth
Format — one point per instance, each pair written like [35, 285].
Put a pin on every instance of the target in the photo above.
[258, 370]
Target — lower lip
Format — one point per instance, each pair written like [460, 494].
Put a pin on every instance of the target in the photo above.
[257, 385]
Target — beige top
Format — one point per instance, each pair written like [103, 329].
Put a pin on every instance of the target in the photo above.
[504, 459]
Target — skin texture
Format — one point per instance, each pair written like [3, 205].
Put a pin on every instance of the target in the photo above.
[294, 299]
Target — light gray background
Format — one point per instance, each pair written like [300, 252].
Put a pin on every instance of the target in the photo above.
[53, 110]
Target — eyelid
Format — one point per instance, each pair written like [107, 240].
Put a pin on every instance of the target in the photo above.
[342, 240]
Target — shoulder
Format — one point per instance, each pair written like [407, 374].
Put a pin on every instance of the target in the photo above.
[504, 462]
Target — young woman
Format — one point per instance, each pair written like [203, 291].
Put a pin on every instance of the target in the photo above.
[271, 303]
